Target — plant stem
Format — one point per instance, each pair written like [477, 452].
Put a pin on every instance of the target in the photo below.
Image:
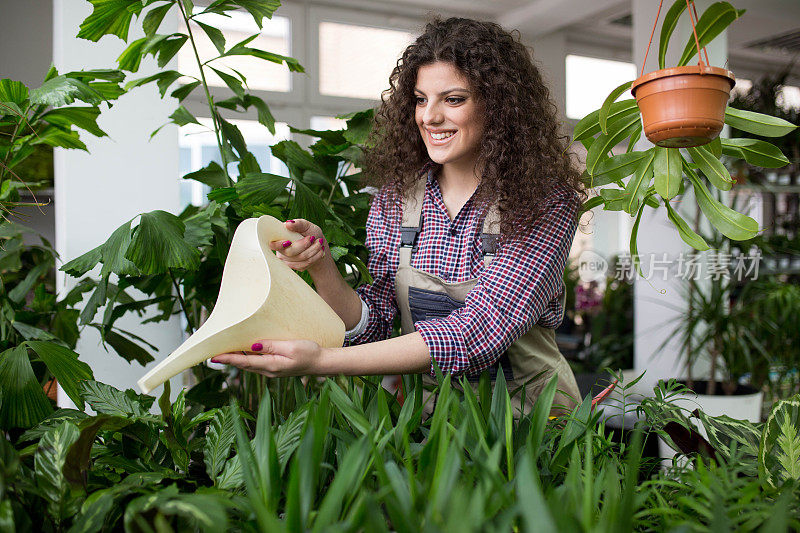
[180, 299]
[11, 143]
[336, 182]
[211, 107]
[712, 381]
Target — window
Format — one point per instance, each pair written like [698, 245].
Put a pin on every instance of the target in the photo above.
[741, 88]
[590, 80]
[198, 148]
[260, 74]
[789, 97]
[327, 123]
[356, 61]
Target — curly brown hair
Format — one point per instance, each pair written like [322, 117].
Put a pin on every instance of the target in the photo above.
[523, 155]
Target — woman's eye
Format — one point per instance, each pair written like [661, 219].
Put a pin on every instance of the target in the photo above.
[455, 99]
[417, 99]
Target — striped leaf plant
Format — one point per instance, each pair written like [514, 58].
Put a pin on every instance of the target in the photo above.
[768, 451]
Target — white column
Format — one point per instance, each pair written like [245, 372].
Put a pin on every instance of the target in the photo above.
[655, 313]
[122, 175]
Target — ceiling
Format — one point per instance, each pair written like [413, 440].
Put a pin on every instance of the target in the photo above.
[765, 39]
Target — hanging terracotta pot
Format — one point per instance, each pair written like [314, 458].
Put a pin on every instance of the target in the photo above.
[51, 389]
[683, 106]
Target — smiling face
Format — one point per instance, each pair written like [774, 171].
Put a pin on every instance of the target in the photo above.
[448, 116]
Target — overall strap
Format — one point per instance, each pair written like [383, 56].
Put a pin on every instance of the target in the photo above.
[411, 225]
[490, 234]
[412, 220]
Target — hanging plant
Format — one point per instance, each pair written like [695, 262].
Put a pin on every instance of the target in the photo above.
[684, 106]
[681, 110]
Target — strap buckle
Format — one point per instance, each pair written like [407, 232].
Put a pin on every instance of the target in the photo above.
[489, 243]
[408, 236]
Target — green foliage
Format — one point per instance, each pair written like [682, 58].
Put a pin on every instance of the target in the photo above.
[51, 454]
[353, 457]
[763, 97]
[24, 402]
[221, 434]
[176, 260]
[714, 20]
[779, 449]
[37, 330]
[32, 119]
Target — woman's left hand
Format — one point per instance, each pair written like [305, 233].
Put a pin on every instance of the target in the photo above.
[276, 358]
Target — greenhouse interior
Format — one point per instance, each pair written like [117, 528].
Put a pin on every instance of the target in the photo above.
[371, 265]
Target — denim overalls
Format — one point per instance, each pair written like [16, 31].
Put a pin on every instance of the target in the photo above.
[422, 296]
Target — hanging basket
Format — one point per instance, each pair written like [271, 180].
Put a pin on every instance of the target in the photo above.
[683, 106]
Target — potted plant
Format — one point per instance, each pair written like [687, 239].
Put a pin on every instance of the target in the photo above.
[658, 175]
[39, 330]
[749, 330]
[683, 106]
[777, 306]
[184, 275]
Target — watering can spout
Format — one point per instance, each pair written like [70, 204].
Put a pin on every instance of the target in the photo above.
[259, 298]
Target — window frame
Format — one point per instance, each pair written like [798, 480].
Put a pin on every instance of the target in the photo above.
[277, 100]
[318, 14]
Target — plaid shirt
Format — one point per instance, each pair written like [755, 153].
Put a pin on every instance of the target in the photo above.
[520, 287]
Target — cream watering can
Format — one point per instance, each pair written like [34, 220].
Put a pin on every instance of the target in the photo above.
[259, 298]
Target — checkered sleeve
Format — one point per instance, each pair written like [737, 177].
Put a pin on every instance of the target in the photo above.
[522, 281]
[379, 296]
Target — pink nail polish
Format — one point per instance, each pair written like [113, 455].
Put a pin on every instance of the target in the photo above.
[257, 347]
[214, 360]
[322, 242]
[313, 239]
[286, 244]
[290, 221]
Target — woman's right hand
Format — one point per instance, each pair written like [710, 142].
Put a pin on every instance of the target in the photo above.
[303, 253]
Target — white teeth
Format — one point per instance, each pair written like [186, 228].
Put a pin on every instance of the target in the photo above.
[440, 136]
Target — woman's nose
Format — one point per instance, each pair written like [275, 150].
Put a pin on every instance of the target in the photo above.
[433, 114]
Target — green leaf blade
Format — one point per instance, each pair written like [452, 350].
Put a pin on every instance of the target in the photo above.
[713, 21]
[109, 17]
[65, 367]
[158, 244]
[730, 223]
[219, 439]
[687, 234]
[605, 109]
[639, 184]
[756, 152]
[758, 123]
[619, 129]
[589, 126]
[24, 403]
[668, 171]
[712, 167]
[667, 29]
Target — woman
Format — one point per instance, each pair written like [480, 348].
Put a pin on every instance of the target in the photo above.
[468, 233]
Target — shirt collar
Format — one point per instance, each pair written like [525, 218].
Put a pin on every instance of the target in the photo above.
[431, 178]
